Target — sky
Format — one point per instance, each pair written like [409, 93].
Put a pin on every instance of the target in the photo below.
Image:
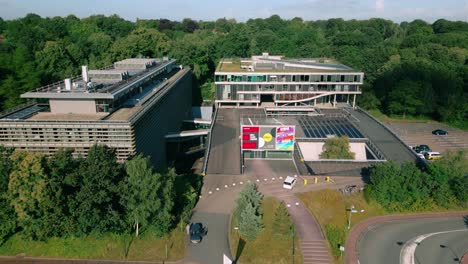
[242, 10]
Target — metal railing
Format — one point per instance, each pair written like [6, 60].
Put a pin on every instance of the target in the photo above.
[208, 143]
[298, 160]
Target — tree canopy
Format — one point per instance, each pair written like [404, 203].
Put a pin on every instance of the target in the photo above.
[412, 68]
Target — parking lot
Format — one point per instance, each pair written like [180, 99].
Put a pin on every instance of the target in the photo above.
[414, 134]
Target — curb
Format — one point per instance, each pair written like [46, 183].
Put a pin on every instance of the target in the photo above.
[360, 228]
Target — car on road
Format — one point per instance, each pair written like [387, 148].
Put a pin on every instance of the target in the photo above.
[432, 155]
[289, 182]
[422, 149]
[197, 232]
[440, 132]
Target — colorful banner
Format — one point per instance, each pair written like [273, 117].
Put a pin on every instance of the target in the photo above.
[285, 138]
[268, 137]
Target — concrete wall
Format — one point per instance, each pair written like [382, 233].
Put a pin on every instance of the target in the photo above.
[64, 106]
[163, 118]
[312, 150]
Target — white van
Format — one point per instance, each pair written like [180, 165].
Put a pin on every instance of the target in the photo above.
[289, 182]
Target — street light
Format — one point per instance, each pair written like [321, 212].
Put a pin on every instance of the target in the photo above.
[352, 211]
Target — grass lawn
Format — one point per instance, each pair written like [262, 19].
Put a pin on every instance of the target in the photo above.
[267, 248]
[108, 246]
[329, 208]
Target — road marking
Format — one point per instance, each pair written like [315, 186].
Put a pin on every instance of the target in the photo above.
[409, 248]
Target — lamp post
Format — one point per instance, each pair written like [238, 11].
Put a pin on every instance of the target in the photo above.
[351, 212]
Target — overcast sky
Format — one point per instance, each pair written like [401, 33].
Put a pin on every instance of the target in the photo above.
[241, 10]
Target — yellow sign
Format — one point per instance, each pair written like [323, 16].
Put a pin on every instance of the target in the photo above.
[267, 137]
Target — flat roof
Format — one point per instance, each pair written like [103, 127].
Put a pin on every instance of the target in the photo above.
[287, 65]
[99, 91]
[123, 114]
[68, 117]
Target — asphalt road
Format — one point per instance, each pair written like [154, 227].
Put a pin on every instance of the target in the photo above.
[387, 143]
[382, 243]
[215, 243]
[443, 248]
[225, 144]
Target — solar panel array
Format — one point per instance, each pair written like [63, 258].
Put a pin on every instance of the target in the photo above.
[322, 126]
[25, 113]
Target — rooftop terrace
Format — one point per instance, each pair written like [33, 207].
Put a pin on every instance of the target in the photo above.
[80, 88]
[276, 64]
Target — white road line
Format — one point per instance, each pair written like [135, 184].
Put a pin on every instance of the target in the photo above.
[409, 248]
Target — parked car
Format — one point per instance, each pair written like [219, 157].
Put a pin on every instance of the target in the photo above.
[422, 149]
[197, 232]
[439, 132]
[432, 155]
[289, 182]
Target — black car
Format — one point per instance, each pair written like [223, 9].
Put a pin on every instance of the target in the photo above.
[439, 132]
[197, 232]
[422, 149]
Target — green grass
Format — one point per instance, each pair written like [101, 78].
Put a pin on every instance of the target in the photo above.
[329, 208]
[107, 246]
[268, 247]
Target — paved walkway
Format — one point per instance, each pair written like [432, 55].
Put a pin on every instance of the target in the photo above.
[313, 244]
[359, 229]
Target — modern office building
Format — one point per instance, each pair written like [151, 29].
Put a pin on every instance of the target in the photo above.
[284, 82]
[130, 106]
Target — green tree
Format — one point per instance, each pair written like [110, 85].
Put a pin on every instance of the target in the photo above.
[337, 148]
[249, 195]
[282, 223]
[248, 213]
[250, 223]
[96, 204]
[7, 214]
[141, 190]
[30, 194]
[62, 169]
[142, 42]
[405, 98]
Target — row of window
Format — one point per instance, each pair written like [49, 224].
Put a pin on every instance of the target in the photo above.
[289, 78]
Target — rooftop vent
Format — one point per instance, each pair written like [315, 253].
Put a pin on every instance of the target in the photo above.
[68, 84]
[84, 73]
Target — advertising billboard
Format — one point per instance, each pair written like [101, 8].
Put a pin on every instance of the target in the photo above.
[285, 138]
[250, 137]
[268, 137]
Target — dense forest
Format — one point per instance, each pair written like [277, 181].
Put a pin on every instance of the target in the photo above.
[412, 68]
